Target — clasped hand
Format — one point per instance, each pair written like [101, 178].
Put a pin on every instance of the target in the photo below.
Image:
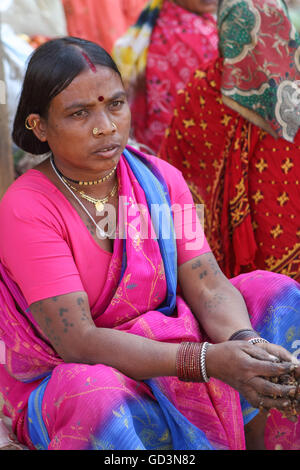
[265, 374]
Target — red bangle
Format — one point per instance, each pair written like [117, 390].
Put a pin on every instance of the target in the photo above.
[188, 362]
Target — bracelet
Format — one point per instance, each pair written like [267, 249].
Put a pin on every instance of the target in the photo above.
[257, 340]
[243, 334]
[190, 362]
[203, 361]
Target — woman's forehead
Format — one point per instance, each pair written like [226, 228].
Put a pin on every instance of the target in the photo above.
[103, 82]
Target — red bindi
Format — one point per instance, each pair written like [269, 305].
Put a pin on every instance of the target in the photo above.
[100, 98]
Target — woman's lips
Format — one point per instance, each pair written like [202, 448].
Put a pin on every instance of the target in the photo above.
[107, 150]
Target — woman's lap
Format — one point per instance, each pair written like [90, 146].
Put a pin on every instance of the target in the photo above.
[95, 407]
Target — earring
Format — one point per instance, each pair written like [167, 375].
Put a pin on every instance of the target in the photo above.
[27, 125]
[114, 126]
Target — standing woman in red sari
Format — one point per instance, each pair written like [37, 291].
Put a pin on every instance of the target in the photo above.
[235, 137]
[157, 56]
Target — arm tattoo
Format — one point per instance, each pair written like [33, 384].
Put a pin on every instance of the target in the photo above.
[50, 332]
[55, 318]
[197, 264]
[84, 315]
[203, 274]
[47, 327]
[209, 262]
[65, 321]
[214, 303]
[213, 265]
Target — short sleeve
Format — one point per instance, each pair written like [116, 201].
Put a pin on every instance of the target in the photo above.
[34, 248]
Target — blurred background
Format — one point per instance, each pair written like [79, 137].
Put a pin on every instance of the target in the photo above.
[25, 24]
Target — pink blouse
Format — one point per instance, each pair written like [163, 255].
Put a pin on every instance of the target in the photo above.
[47, 249]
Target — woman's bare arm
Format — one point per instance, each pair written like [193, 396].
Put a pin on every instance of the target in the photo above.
[67, 323]
[217, 304]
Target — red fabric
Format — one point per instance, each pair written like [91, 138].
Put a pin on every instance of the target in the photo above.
[180, 42]
[261, 65]
[102, 21]
[248, 181]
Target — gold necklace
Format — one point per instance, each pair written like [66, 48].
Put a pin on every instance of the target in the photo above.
[83, 183]
[98, 203]
[101, 180]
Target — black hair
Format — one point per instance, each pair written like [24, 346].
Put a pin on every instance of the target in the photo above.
[51, 68]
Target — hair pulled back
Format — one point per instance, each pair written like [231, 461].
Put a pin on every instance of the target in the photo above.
[51, 68]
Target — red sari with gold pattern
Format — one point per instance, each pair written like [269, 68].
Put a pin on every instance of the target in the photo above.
[235, 136]
[248, 180]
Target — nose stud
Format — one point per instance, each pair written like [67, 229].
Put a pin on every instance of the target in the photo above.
[97, 131]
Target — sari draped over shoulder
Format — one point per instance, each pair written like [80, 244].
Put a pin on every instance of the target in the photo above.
[57, 405]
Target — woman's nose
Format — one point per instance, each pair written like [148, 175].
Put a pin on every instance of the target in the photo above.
[107, 127]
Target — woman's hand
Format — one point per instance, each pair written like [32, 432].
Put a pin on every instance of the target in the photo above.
[249, 369]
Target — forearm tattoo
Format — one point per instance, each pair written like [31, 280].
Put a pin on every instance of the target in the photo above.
[213, 304]
[207, 266]
[56, 319]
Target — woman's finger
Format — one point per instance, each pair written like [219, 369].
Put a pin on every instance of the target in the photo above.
[265, 402]
[282, 404]
[280, 352]
[267, 368]
[274, 390]
[258, 400]
[259, 352]
[274, 353]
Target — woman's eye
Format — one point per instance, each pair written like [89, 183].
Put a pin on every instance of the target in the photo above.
[80, 113]
[117, 104]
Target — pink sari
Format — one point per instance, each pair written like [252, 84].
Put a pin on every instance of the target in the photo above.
[82, 406]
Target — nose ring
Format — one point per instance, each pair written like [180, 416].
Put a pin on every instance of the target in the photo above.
[96, 131]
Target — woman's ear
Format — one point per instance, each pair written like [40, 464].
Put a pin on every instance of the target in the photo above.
[37, 125]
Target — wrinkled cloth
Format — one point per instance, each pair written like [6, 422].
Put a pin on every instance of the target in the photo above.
[156, 57]
[222, 139]
[247, 180]
[261, 71]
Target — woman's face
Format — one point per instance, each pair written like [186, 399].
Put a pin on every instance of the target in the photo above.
[198, 6]
[94, 99]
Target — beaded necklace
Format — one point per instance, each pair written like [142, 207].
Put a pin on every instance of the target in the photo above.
[99, 229]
